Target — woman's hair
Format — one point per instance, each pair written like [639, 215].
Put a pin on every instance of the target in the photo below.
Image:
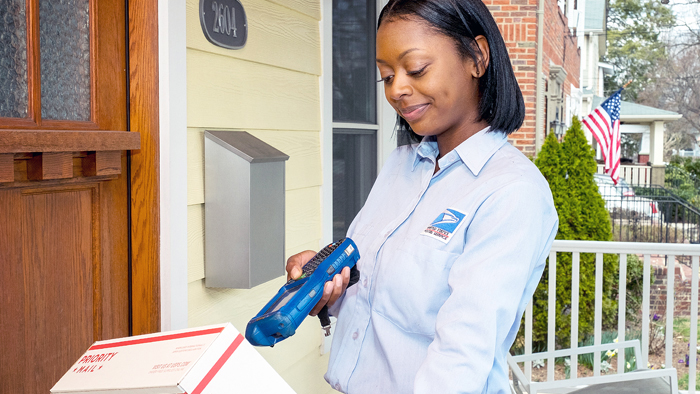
[500, 100]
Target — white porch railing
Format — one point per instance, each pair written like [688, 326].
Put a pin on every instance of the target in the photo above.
[634, 175]
[622, 249]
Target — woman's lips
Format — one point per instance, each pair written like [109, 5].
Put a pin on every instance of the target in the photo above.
[413, 112]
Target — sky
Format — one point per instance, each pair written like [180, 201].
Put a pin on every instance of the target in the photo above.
[687, 12]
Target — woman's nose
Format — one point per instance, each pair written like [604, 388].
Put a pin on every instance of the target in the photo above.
[399, 88]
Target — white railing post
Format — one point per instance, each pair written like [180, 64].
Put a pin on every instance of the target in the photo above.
[670, 284]
[692, 352]
[551, 314]
[622, 311]
[646, 299]
[598, 311]
[528, 339]
[575, 274]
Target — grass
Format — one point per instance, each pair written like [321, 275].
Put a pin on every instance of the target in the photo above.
[681, 327]
[683, 381]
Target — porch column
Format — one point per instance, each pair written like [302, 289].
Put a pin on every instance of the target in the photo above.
[656, 152]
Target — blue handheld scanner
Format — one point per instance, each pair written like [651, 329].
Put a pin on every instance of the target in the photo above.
[280, 317]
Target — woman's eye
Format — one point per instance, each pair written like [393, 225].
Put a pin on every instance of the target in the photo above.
[386, 79]
[417, 73]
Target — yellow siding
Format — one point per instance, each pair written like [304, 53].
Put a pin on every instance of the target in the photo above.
[310, 8]
[273, 30]
[270, 89]
[225, 92]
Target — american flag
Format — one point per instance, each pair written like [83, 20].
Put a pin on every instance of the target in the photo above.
[604, 124]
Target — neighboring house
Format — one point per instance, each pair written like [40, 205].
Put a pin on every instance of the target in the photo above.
[112, 244]
[552, 99]
[593, 48]
[694, 151]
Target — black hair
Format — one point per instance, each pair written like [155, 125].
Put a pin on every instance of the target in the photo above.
[501, 102]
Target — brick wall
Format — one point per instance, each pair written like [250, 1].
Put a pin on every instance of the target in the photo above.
[517, 20]
[682, 292]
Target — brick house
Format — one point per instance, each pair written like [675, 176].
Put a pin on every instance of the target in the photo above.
[559, 90]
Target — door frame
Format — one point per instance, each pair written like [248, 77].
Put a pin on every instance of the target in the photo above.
[144, 167]
[158, 171]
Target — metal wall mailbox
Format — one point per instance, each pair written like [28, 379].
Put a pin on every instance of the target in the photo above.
[243, 210]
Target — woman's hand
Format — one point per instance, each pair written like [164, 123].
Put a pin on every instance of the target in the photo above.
[331, 290]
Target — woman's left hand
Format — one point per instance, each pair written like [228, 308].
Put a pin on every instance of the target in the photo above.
[332, 290]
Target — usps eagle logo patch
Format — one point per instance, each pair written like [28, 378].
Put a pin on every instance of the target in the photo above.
[445, 225]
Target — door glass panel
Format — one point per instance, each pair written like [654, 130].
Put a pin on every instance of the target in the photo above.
[354, 69]
[64, 32]
[13, 59]
[354, 172]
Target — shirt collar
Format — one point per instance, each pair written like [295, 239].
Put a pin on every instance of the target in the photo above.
[427, 149]
[474, 152]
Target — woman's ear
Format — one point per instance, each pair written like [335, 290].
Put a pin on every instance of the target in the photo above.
[479, 68]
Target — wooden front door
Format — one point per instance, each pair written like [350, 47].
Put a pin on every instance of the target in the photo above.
[64, 186]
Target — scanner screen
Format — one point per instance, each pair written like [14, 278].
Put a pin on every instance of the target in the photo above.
[284, 299]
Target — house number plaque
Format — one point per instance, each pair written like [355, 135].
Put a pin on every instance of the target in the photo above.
[224, 23]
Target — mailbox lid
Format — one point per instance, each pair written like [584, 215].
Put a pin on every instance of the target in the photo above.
[246, 146]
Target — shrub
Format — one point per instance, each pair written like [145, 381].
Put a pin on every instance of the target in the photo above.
[569, 169]
[683, 178]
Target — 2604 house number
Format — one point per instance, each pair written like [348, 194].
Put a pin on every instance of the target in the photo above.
[224, 23]
[224, 19]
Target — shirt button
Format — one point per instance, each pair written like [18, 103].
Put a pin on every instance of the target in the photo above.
[337, 386]
[364, 282]
[355, 335]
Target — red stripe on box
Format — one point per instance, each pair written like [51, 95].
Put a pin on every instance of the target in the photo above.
[157, 338]
[215, 369]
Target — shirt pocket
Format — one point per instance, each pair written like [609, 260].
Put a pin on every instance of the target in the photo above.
[411, 286]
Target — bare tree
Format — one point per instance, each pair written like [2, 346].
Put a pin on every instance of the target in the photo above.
[674, 84]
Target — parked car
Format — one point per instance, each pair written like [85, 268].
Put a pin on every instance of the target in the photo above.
[620, 199]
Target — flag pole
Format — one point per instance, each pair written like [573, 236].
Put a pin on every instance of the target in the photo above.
[627, 84]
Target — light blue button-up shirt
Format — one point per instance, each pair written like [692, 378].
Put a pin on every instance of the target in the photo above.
[449, 260]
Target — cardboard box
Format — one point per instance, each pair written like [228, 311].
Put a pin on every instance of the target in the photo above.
[205, 360]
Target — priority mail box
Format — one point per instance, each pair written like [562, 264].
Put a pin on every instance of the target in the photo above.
[205, 360]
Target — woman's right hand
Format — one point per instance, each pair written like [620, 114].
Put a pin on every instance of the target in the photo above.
[332, 289]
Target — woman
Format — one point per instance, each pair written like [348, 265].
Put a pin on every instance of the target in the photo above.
[456, 229]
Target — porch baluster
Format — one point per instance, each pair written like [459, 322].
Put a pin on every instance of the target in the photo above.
[598, 311]
[551, 315]
[692, 347]
[646, 299]
[621, 311]
[575, 263]
[670, 284]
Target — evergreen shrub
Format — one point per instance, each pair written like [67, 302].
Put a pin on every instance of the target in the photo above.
[569, 169]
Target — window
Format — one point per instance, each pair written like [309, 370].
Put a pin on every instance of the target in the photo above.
[52, 46]
[556, 101]
[355, 115]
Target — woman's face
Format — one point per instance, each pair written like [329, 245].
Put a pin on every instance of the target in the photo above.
[427, 81]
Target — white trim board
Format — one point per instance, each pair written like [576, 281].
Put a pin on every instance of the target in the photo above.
[172, 97]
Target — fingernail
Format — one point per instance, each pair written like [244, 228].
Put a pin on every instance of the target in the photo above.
[328, 288]
[338, 280]
[296, 272]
